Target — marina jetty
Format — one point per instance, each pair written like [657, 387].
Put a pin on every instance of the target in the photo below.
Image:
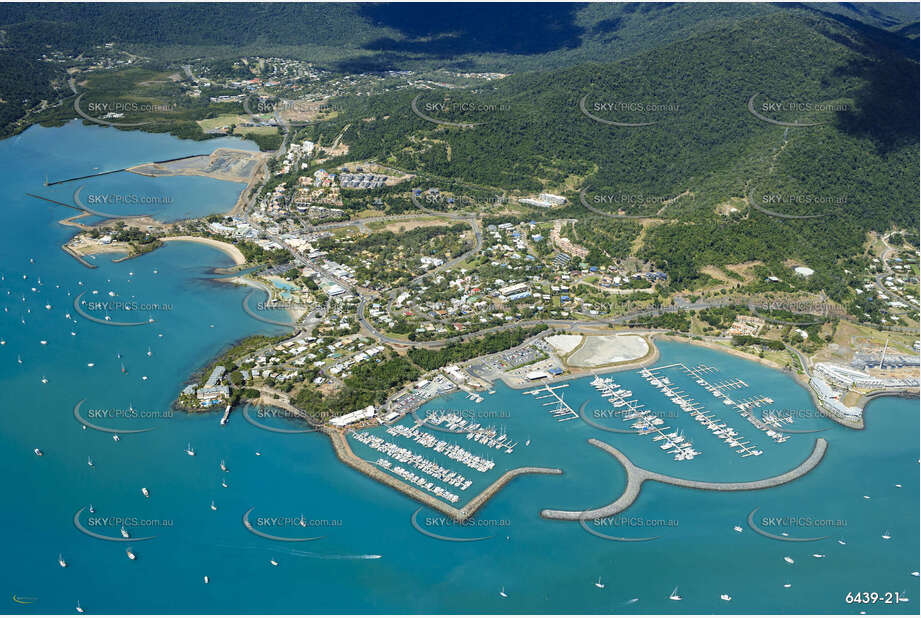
[636, 476]
[345, 454]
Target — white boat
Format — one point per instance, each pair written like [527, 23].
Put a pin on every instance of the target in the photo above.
[189, 450]
[213, 506]
[725, 597]
[674, 596]
[273, 562]
[92, 509]
[44, 380]
[206, 579]
[886, 535]
[125, 534]
[38, 451]
[61, 561]
[842, 542]
[223, 483]
[145, 492]
[223, 466]
[502, 593]
[598, 584]
[78, 608]
[818, 555]
[788, 559]
[115, 437]
[302, 522]
[130, 554]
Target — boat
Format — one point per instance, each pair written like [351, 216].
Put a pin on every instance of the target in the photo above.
[79, 609]
[213, 506]
[130, 554]
[44, 380]
[725, 597]
[149, 353]
[502, 593]
[115, 437]
[92, 509]
[61, 561]
[189, 450]
[787, 585]
[145, 492]
[38, 451]
[206, 579]
[125, 534]
[674, 596]
[788, 559]
[527, 442]
[302, 522]
[273, 562]
[818, 555]
[598, 584]
[886, 535]
[223, 483]
[842, 542]
[223, 466]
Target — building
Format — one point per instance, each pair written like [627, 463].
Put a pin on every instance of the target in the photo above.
[216, 374]
[352, 417]
[556, 200]
[514, 290]
[213, 395]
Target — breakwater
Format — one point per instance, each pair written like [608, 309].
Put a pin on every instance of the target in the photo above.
[636, 476]
[345, 454]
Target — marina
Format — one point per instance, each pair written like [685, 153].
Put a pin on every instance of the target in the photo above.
[561, 410]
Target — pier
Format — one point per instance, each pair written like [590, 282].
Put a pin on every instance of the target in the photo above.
[562, 412]
[636, 476]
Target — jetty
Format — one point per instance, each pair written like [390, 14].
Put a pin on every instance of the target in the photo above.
[562, 410]
[636, 476]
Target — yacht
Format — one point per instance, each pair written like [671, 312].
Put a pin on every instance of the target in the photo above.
[818, 555]
[674, 596]
[788, 559]
[598, 584]
[725, 597]
[737, 528]
[842, 542]
[502, 593]
[79, 609]
[787, 585]
[38, 451]
[213, 506]
[130, 555]
[886, 535]
[145, 492]
[223, 483]
[92, 509]
[115, 437]
[206, 579]
[189, 450]
[125, 534]
[61, 561]
[223, 466]
[273, 562]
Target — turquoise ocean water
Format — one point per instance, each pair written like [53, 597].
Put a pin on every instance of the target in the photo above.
[369, 557]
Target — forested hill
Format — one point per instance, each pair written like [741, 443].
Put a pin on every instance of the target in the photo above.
[705, 144]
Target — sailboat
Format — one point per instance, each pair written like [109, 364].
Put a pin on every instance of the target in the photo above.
[273, 562]
[223, 483]
[502, 593]
[189, 450]
[89, 462]
[78, 608]
[737, 528]
[115, 437]
[61, 561]
[145, 492]
[125, 534]
[886, 535]
[213, 506]
[149, 352]
[130, 554]
[92, 509]
[788, 559]
[206, 579]
[674, 596]
[725, 597]
[38, 451]
[223, 466]
[598, 584]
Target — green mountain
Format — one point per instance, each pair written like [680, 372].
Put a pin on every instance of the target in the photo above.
[854, 172]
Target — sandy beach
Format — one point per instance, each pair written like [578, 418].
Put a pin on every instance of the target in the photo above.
[235, 254]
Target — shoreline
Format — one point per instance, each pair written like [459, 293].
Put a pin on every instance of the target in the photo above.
[230, 250]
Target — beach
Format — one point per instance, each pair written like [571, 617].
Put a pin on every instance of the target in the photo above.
[235, 254]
